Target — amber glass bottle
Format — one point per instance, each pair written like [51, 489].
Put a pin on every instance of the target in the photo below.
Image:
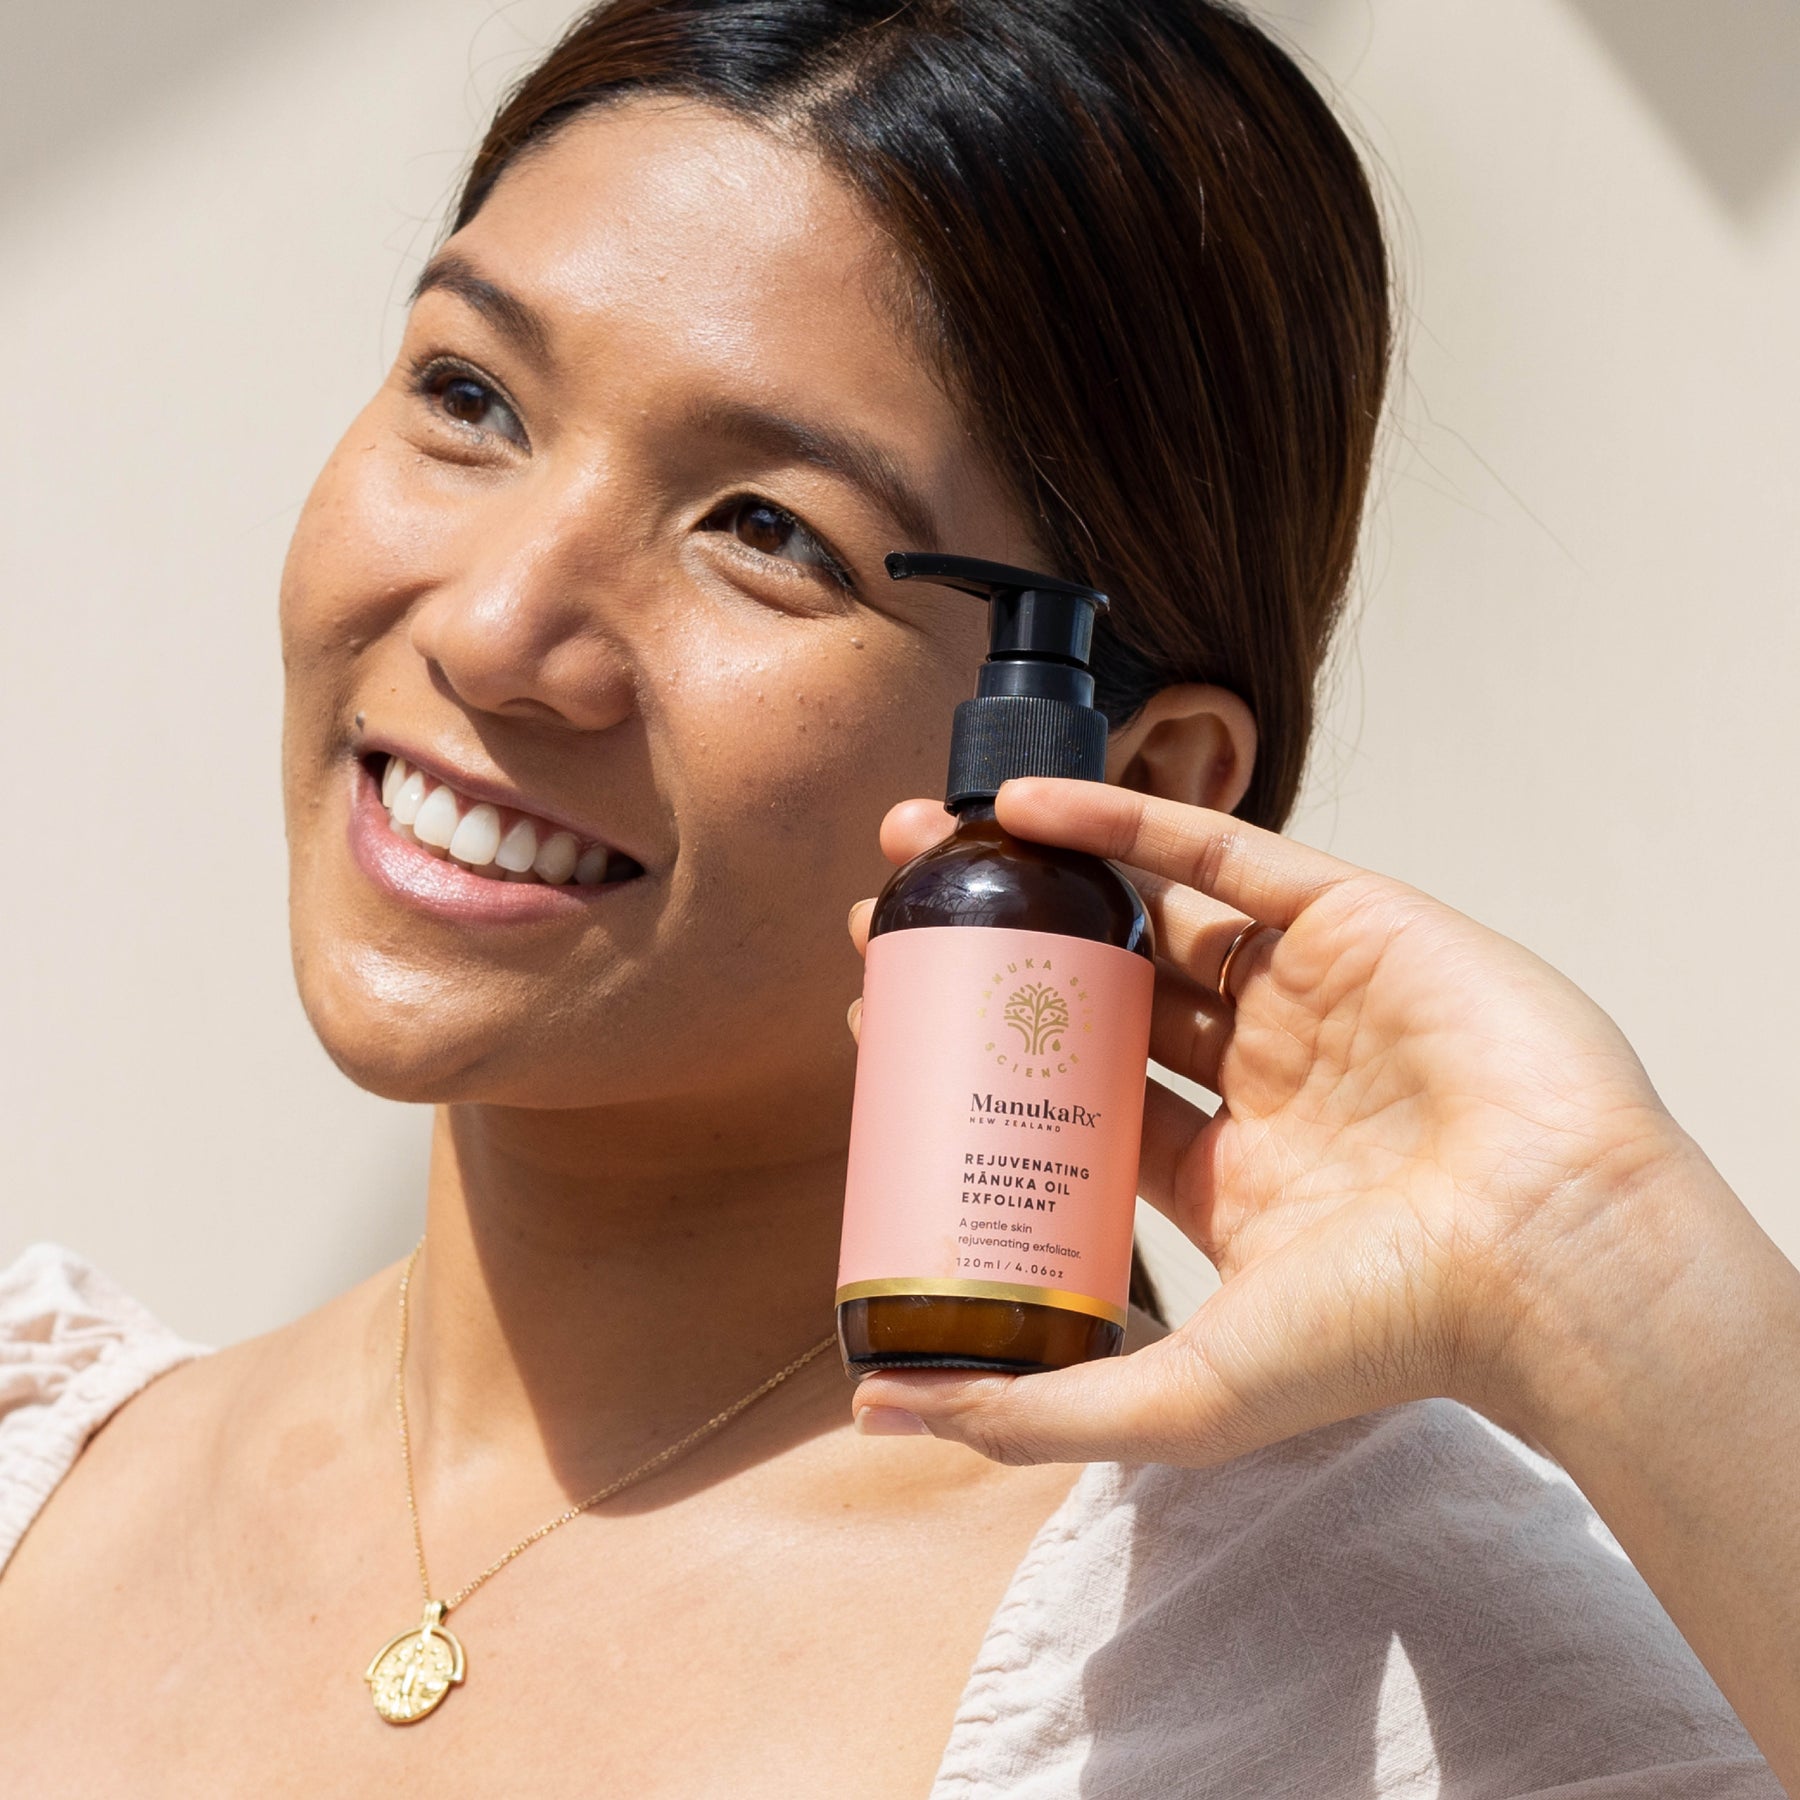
[1004, 1038]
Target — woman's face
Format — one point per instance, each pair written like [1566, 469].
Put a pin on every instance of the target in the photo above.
[604, 553]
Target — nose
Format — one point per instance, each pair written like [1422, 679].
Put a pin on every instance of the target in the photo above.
[526, 625]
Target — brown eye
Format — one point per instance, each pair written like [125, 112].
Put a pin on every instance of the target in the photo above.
[456, 392]
[773, 531]
[765, 528]
[465, 400]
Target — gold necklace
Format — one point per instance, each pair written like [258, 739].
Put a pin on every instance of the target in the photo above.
[410, 1674]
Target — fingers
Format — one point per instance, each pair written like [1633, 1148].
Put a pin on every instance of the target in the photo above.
[1192, 929]
[1190, 1026]
[1082, 1414]
[1245, 952]
[1272, 1353]
[907, 829]
[1172, 1126]
[1260, 873]
[1196, 933]
[913, 826]
[1164, 1403]
[859, 925]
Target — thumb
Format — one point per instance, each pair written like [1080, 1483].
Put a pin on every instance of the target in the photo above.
[1165, 1403]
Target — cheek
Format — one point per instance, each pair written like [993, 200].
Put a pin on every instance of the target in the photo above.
[365, 545]
[796, 747]
[368, 540]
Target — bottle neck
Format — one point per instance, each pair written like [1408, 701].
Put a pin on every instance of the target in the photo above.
[974, 810]
[1046, 677]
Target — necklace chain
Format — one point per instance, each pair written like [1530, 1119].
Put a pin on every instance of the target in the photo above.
[574, 1512]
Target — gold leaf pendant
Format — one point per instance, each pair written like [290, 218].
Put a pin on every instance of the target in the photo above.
[411, 1673]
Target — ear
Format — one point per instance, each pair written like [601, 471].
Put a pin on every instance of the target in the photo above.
[1190, 742]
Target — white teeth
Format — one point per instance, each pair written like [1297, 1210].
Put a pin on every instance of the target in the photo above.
[437, 818]
[430, 814]
[555, 861]
[518, 849]
[478, 836]
[409, 797]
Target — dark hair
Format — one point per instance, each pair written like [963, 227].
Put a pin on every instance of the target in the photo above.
[1143, 254]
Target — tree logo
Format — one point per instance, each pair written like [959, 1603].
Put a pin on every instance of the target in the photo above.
[1039, 1014]
[1034, 1015]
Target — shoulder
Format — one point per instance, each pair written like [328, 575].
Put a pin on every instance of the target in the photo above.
[73, 1349]
[1404, 1601]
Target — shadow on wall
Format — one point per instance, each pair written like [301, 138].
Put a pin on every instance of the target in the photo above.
[1724, 81]
[83, 77]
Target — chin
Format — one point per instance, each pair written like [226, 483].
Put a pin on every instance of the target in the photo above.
[399, 1031]
[395, 1054]
[428, 1039]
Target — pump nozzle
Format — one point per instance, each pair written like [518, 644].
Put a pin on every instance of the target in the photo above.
[1033, 711]
[1032, 615]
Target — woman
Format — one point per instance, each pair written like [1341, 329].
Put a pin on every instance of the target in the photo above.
[596, 702]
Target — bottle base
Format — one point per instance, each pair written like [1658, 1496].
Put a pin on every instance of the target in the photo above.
[942, 1331]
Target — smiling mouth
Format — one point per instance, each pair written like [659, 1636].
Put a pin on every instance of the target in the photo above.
[491, 841]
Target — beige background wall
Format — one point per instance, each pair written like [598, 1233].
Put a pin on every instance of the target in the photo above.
[1569, 705]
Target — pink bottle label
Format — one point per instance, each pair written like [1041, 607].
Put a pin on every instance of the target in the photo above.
[999, 1106]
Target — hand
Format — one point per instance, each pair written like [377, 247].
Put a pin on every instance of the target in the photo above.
[1427, 1139]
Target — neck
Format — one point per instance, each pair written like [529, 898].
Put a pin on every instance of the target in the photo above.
[587, 1300]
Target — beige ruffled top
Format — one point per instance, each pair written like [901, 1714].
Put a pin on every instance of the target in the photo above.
[1408, 1606]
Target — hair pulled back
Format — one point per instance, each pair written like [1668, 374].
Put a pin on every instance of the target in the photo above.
[1145, 257]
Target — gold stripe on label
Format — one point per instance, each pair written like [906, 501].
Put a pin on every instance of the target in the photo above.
[953, 1289]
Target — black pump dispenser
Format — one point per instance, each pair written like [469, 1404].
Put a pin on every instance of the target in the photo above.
[1033, 711]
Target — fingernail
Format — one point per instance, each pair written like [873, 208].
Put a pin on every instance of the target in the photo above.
[891, 1421]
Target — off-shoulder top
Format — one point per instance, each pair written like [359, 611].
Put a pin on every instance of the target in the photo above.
[1408, 1606]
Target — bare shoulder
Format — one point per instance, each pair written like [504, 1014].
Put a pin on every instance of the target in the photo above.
[218, 1391]
[164, 1450]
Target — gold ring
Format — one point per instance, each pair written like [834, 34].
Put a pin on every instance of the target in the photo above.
[1237, 943]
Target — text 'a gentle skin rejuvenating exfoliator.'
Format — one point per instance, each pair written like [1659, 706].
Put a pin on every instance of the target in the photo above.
[1004, 1039]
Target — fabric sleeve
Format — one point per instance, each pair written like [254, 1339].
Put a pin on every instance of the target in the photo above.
[1413, 1606]
[1406, 1606]
[73, 1349]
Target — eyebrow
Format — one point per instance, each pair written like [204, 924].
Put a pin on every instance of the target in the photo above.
[841, 450]
[505, 311]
